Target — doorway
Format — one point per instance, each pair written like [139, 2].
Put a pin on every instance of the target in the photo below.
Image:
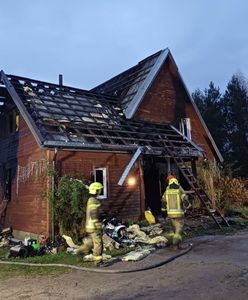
[155, 172]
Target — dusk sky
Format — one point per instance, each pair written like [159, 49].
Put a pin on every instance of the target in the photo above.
[90, 41]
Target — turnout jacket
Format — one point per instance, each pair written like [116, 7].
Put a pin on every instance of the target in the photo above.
[172, 201]
[93, 224]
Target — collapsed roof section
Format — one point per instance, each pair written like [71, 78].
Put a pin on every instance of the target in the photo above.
[132, 85]
[61, 116]
[6, 103]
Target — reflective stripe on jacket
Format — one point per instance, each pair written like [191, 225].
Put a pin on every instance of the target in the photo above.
[173, 201]
[92, 215]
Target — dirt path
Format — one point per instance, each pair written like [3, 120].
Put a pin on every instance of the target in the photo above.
[216, 268]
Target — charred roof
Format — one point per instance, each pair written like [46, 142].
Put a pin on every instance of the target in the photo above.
[62, 116]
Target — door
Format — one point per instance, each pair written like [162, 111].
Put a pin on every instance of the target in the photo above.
[154, 181]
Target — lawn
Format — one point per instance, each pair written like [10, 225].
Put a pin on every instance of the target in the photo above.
[15, 270]
[7, 271]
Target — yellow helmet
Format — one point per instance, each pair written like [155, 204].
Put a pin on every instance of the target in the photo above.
[95, 187]
[173, 180]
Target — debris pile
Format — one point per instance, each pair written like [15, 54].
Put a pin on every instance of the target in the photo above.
[139, 235]
[28, 247]
[138, 254]
[90, 257]
[141, 240]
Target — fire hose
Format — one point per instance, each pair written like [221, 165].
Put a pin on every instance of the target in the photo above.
[99, 270]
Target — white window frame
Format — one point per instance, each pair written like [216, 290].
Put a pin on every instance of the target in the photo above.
[185, 127]
[104, 176]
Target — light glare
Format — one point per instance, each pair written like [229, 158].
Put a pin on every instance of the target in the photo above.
[131, 181]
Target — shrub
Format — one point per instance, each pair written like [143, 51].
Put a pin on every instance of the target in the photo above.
[225, 192]
[69, 206]
[208, 174]
[232, 193]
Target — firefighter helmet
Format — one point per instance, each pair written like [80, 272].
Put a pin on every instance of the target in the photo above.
[95, 187]
[173, 180]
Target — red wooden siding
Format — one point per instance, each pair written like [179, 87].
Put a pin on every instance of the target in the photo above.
[168, 102]
[28, 208]
[124, 201]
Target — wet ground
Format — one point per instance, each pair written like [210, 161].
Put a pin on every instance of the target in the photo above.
[216, 268]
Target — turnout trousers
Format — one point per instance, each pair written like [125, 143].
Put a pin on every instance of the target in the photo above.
[177, 225]
[93, 242]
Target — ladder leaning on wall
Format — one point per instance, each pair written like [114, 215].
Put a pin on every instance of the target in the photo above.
[195, 185]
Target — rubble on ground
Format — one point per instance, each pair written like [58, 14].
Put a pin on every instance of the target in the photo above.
[139, 236]
[90, 257]
[152, 230]
[116, 236]
[109, 243]
[29, 246]
[138, 254]
[137, 240]
[70, 242]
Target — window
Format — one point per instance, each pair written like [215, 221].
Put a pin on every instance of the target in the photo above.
[100, 175]
[185, 127]
[9, 123]
[17, 122]
[13, 121]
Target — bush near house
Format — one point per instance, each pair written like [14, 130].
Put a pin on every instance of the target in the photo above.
[227, 194]
[69, 206]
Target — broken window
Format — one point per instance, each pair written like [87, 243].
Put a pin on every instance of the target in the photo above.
[100, 175]
[14, 121]
[9, 123]
[17, 122]
[185, 127]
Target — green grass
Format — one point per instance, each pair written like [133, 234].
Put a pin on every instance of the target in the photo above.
[7, 271]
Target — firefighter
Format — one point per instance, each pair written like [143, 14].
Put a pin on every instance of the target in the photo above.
[93, 225]
[172, 202]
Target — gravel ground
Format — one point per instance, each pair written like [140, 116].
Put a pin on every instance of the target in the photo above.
[216, 268]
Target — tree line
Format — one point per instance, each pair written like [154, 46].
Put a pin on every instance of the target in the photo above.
[226, 116]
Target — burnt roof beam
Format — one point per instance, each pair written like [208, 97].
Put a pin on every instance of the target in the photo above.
[137, 99]
[18, 102]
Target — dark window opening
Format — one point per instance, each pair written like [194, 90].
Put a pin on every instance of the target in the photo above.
[101, 176]
[17, 121]
[9, 123]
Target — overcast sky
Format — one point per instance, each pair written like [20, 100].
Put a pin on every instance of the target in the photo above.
[90, 41]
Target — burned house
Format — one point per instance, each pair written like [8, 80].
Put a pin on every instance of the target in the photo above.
[129, 133]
